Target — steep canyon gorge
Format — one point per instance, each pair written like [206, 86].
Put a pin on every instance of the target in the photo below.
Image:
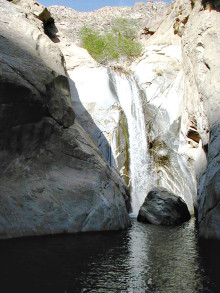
[82, 143]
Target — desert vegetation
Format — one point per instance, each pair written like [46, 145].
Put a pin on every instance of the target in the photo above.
[119, 41]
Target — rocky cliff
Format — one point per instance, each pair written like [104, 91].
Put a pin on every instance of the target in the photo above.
[201, 63]
[53, 178]
[192, 29]
[177, 78]
[154, 118]
[156, 79]
[69, 21]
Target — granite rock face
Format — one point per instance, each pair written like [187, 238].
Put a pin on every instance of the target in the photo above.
[32, 67]
[209, 189]
[160, 77]
[53, 178]
[201, 51]
[179, 75]
[192, 28]
[177, 78]
[98, 109]
[162, 207]
[55, 181]
[95, 101]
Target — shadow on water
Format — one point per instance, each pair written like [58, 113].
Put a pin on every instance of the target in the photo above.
[144, 258]
[90, 126]
[210, 249]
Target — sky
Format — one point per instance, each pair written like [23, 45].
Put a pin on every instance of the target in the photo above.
[89, 5]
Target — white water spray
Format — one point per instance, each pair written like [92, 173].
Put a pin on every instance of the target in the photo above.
[130, 99]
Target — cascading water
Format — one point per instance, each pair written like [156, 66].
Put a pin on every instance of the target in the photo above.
[129, 97]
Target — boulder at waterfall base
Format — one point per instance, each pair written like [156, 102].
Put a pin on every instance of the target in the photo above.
[162, 207]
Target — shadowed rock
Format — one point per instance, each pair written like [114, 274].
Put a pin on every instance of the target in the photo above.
[162, 207]
[53, 179]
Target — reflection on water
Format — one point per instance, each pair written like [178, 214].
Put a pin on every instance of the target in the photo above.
[145, 258]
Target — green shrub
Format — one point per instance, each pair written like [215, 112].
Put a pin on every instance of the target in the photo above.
[128, 47]
[125, 27]
[111, 45]
[92, 42]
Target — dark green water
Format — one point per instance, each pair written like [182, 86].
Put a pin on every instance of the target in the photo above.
[144, 258]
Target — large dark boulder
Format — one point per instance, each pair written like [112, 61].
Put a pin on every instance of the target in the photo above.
[162, 207]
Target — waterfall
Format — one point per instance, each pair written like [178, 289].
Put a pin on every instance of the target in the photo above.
[129, 97]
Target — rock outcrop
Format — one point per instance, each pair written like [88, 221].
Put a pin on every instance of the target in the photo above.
[201, 61]
[100, 102]
[175, 82]
[209, 189]
[178, 75]
[70, 21]
[98, 109]
[94, 93]
[160, 77]
[194, 27]
[53, 178]
[162, 207]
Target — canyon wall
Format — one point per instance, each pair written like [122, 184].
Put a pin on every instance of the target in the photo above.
[191, 35]
[178, 80]
[201, 63]
[154, 119]
[53, 178]
[155, 81]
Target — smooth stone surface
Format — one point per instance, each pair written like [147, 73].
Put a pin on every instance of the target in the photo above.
[95, 100]
[33, 81]
[201, 64]
[53, 179]
[172, 153]
[162, 207]
[196, 30]
[209, 189]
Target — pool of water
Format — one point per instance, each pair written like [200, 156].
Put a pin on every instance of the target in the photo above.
[144, 258]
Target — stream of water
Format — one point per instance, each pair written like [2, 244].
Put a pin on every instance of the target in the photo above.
[129, 97]
[144, 258]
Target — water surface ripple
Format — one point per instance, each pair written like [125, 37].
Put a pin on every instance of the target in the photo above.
[144, 258]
